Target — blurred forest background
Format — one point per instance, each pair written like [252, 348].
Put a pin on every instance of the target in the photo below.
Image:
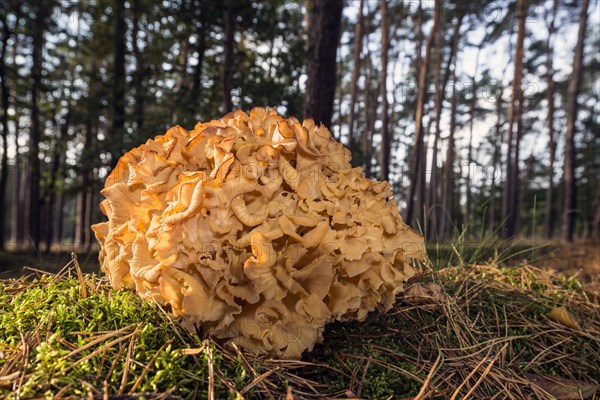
[483, 115]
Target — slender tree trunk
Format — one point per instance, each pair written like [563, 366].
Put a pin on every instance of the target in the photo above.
[370, 113]
[448, 185]
[570, 196]
[117, 131]
[49, 195]
[337, 105]
[81, 235]
[549, 220]
[138, 76]
[437, 78]
[181, 78]
[495, 161]
[358, 39]
[418, 166]
[59, 150]
[18, 230]
[515, 111]
[385, 134]
[6, 33]
[472, 106]
[422, 181]
[419, 38]
[524, 188]
[58, 211]
[229, 30]
[36, 129]
[323, 39]
[596, 222]
[202, 27]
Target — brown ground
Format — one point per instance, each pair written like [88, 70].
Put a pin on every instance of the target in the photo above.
[580, 260]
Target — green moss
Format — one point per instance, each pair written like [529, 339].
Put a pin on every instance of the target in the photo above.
[54, 311]
[73, 339]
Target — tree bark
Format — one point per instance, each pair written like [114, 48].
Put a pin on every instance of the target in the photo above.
[181, 79]
[36, 130]
[81, 228]
[515, 112]
[18, 225]
[495, 161]
[549, 220]
[570, 194]
[229, 28]
[385, 134]
[438, 99]
[51, 187]
[448, 184]
[117, 131]
[6, 34]
[358, 39]
[201, 30]
[596, 222]
[417, 164]
[323, 39]
[138, 76]
[468, 195]
[370, 113]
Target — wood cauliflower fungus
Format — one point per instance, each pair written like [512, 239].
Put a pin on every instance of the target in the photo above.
[254, 228]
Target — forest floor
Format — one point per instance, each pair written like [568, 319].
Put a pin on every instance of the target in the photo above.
[506, 321]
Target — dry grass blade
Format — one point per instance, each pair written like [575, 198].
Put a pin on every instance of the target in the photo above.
[211, 371]
[99, 339]
[82, 284]
[127, 362]
[102, 348]
[432, 371]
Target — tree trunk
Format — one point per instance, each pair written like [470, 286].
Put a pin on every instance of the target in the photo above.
[448, 185]
[422, 181]
[515, 112]
[18, 231]
[495, 161]
[524, 188]
[323, 39]
[181, 78]
[138, 76]
[358, 39]
[58, 211]
[229, 28]
[201, 30]
[117, 131]
[59, 150]
[36, 129]
[418, 166]
[570, 196]
[370, 113]
[385, 134]
[468, 195]
[419, 38]
[6, 33]
[549, 220]
[437, 78]
[51, 192]
[81, 228]
[596, 222]
[337, 105]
